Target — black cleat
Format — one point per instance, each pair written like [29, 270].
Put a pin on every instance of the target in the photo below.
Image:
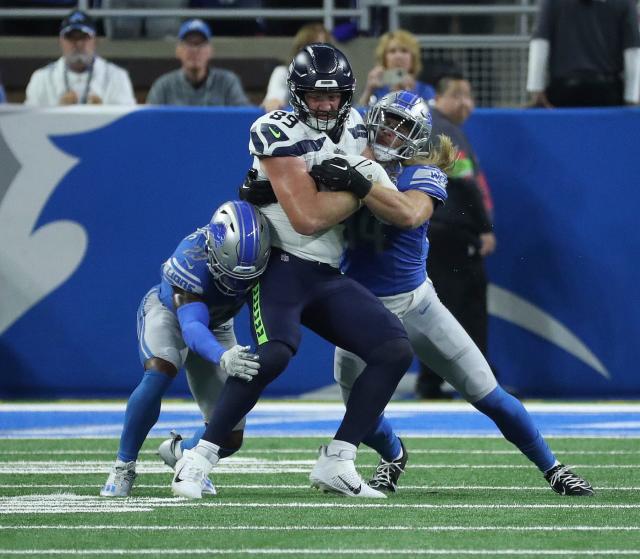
[386, 475]
[563, 481]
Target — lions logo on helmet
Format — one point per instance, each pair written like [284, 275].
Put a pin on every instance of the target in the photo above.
[399, 126]
[238, 244]
[320, 67]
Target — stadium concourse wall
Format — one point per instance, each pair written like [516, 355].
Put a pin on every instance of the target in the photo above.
[92, 200]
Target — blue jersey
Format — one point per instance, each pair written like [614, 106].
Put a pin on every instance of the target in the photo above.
[187, 269]
[385, 259]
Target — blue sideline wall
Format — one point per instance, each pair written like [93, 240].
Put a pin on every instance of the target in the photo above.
[92, 200]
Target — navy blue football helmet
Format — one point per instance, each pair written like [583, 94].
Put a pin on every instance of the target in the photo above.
[238, 245]
[321, 67]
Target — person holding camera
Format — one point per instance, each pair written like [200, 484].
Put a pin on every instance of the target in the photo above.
[398, 63]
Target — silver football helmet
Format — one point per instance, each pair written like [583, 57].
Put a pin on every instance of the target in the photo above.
[399, 126]
[238, 245]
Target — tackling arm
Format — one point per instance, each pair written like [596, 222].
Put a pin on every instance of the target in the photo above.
[406, 210]
[308, 210]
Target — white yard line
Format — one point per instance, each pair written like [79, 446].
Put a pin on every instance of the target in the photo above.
[289, 407]
[324, 551]
[276, 451]
[315, 528]
[543, 488]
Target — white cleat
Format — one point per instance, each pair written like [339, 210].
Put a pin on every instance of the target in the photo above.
[191, 471]
[170, 451]
[336, 473]
[120, 480]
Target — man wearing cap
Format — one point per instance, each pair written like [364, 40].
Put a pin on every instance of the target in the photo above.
[79, 76]
[195, 83]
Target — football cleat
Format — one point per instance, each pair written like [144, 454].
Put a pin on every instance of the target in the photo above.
[170, 451]
[120, 480]
[191, 471]
[336, 473]
[386, 475]
[563, 481]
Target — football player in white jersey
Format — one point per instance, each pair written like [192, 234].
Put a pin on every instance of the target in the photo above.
[303, 284]
[187, 321]
[390, 261]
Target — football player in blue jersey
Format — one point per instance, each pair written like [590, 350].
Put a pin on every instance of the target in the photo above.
[390, 261]
[303, 284]
[187, 321]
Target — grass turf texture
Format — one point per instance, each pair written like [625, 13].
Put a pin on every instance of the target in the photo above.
[459, 497]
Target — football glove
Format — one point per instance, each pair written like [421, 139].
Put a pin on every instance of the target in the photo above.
[257, 192]
[240, 362]
[337, 174]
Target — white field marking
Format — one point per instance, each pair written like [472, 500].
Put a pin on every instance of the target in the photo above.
[361, 451]
[322, 551]
[316, 528]
[69, 503]
[244, 466]
[257, 486]
[596, 436]
[290, 407]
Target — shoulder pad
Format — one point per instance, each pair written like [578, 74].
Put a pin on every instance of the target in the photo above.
[280, 133]
[427, 178]
[187, 267]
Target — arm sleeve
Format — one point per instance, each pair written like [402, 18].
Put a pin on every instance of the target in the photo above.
[194, 323]
[538, 60]
[632, 75]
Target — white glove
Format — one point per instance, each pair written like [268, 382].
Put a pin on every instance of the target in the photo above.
[239, 362]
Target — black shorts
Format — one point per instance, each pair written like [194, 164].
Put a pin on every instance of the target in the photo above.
[294, 292]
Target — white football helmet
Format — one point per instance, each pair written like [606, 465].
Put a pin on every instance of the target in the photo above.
[399, 126]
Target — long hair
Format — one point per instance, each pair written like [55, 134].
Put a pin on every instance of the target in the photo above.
[405, 39]
[443, 156]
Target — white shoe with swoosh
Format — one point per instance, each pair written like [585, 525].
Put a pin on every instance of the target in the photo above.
[190, 472]
[336, 473]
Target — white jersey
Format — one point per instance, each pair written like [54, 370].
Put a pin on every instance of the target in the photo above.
[281, 134]
[106, 80]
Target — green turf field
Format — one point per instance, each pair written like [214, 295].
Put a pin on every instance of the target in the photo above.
[460, 497]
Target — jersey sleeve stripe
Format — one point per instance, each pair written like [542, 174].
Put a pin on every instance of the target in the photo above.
[299, 148]
[184, 272]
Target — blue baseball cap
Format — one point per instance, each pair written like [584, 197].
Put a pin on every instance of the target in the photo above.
[78, 20]
[194, 26]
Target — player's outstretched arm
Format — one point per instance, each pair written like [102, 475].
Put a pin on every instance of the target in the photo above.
[308, 210]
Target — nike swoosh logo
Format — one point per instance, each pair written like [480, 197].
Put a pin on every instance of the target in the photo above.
[177, 479]
[422, 311]
[276, 133]
[354, 490]
[339, 167]
[508, 306]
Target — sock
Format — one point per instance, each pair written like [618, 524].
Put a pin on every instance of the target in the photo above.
[143, 410]
[373, 389]
[188, 444]
[383, 440]
[342, 448]
[517, 426]
[209, 451]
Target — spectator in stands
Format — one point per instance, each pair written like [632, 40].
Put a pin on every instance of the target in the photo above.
[461, 231]
[592, 51]
[278, 95]
[79, 76]
[135, 27]
[195, 83]
[398, 63]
